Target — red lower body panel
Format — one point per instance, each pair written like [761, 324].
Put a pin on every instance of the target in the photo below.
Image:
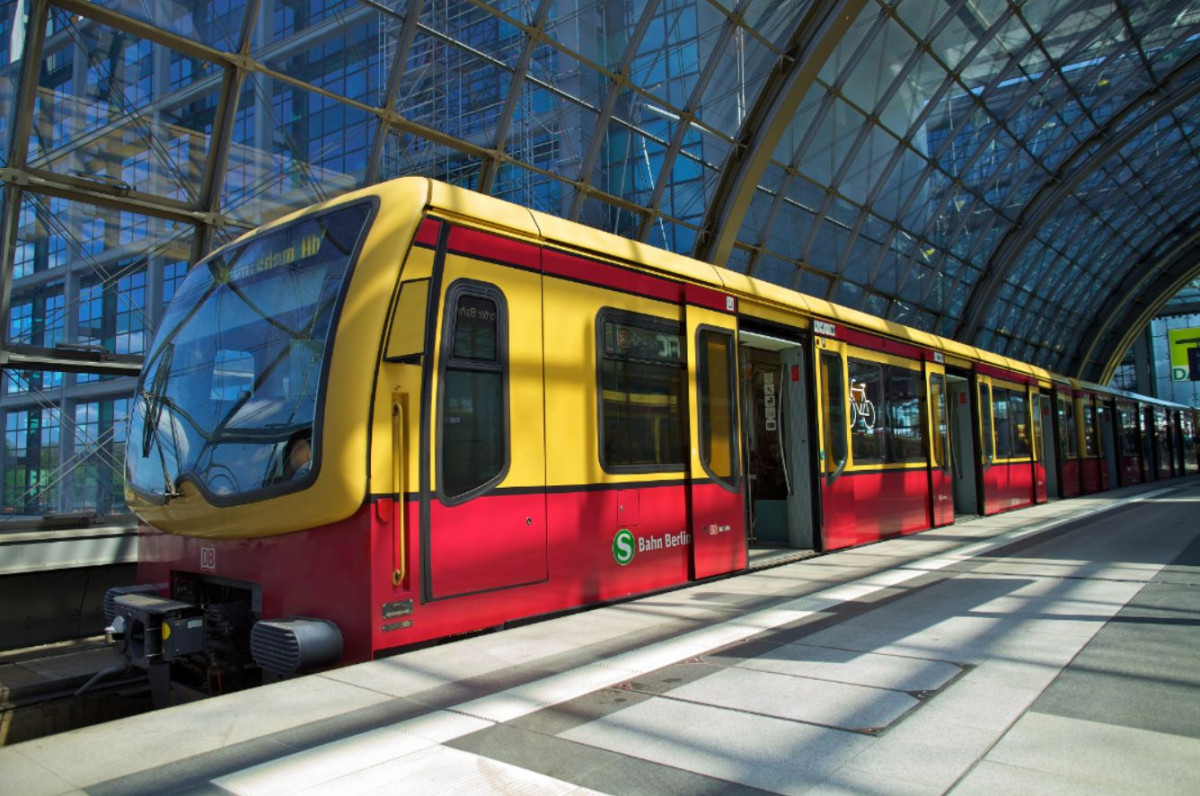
[942, 486]
[322, 573]
[1070, 478]
[1089, 472]
[1131, 470]
[865, 507]
[1007, 486]
[599, 545]
[719, 525]
[1039, 482]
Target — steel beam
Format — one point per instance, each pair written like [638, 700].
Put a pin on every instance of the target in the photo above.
[1107, 141]
[814, 40]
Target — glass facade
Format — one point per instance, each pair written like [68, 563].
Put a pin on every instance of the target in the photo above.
[1012, 174]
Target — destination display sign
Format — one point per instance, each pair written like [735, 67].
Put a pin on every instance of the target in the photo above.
[278, 250]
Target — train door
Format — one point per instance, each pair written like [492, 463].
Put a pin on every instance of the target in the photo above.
[1109, 445]
[715, 499]
[484, 495]
[1149, 448]
[1048, 450]
[963, 458]
[1039, 413]
[941, 479]
[775, 427]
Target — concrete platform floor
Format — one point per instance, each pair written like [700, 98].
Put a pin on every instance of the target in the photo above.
[1050, 650]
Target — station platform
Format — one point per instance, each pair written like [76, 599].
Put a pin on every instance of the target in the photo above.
[1048, 650]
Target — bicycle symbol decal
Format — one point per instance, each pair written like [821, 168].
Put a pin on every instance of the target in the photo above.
[861, 408]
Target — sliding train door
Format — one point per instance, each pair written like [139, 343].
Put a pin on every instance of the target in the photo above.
[964, 460]
[1038, 414]
[776, 423]
[941, 479]
[714, 487]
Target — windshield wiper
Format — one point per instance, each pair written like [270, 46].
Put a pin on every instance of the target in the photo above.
[155, 398]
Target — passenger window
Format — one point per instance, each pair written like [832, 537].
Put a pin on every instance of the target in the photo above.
[1018, 418]
[985, 421]
[1090, 446]
[941, 428]
[1066, 428]
[473, 433]
[905, 412]
[835, 411]
[1001, 422]
[641, 383]
[718, 440]
[867, 437]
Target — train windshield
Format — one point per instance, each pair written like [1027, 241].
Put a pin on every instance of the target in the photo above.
[229, 392]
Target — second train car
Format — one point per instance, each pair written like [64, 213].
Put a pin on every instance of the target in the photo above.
[416, 411]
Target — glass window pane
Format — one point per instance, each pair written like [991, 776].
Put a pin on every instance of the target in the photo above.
[941, 428]
[475, 329]
[1002, 420]
[641, 393]
[834, 406]
[718, 440]
[905, 412]
[473, 426]
[1019, 418]
[985, 422]
[867, 436]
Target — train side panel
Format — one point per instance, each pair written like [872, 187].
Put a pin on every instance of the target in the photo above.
[865, 507]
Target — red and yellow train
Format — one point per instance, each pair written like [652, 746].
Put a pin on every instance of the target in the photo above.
[417, 411]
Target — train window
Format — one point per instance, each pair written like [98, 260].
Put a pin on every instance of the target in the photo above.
[905, 413]
[718, 440]
[834, 395]
[867, 434]
[473, 430]
[641, 383]
[941, 429]
[1091, 446]
[985, 421]
[1001, 422]
[1128, 418]
[1066, 427]
[1018, 419]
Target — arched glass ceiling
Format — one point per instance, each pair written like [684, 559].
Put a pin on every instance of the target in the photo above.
[1020, 175]
[931, 162]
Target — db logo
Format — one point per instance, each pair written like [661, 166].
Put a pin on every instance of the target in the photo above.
[208, 558]
[713, 530]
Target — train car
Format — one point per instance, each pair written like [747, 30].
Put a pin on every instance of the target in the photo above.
[415, 412]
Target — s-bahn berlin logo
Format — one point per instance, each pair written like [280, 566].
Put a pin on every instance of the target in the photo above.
[624, 546]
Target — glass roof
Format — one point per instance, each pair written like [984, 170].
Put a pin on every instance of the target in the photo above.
[1017, 175]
